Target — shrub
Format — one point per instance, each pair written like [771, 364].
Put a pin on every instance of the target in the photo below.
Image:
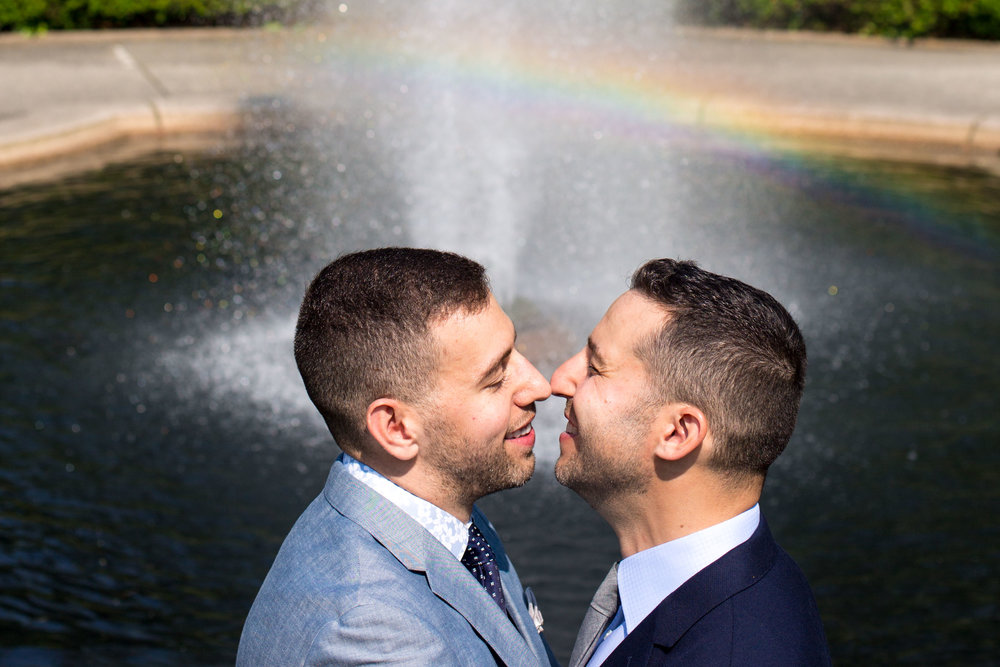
[75, 14]
[977, 19]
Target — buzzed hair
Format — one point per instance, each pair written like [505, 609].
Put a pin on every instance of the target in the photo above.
[363, 330]
[730, 350]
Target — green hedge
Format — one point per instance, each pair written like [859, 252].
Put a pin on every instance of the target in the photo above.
[36, 15]
[976, 19]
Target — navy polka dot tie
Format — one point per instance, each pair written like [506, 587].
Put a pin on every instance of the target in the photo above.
[479, 558]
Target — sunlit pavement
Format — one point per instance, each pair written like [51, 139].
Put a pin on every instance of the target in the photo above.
[69, 94]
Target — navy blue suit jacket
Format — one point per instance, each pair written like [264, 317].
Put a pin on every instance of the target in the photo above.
[753, 606]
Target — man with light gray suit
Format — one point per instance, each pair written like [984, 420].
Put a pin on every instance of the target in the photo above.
[411, 362]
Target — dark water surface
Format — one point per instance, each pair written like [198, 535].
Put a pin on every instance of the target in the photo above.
[156, 444]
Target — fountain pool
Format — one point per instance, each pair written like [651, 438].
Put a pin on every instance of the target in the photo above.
[157, 443]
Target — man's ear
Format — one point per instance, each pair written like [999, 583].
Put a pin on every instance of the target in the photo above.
[394, 425]
[682, 428]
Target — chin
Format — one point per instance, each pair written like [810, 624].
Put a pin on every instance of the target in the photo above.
[572, 477]
[522, 470]
[527, 466]
[560, 473]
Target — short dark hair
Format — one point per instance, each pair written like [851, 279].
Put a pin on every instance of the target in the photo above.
[363, 331]
[732, 351]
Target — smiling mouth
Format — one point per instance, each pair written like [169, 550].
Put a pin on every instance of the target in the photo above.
[519, 433]
[570, 426]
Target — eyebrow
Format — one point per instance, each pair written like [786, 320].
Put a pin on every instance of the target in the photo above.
[500, 363]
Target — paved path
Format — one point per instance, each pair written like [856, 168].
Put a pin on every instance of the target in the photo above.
[65, 94]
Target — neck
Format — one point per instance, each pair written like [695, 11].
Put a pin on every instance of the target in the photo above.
[409, 476]
[671, 510]
[458, 508]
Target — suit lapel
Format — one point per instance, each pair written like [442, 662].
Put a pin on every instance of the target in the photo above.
[452, 583]
[736, 571]
[518, 612]
[512, 590]
[419, 551]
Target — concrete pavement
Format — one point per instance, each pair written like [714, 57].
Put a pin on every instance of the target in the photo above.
[71, 97]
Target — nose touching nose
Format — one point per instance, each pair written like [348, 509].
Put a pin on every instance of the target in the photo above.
[563, 379]
[534, 385]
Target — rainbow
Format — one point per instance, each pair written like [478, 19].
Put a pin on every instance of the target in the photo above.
[617, 98]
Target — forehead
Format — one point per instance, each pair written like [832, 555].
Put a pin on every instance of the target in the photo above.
[628, 320]
[469, 343]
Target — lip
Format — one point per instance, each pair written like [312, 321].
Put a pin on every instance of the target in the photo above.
[570, 432]
[526, 425]
[570, 424]
[527, 440]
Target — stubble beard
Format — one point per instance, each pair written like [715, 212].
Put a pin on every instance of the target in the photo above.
[605, 465]
[467, 478]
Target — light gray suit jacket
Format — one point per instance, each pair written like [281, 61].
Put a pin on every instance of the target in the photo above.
[357, 581]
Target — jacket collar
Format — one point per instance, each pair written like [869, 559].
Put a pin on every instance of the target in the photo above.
[419, 551]
[736, 571]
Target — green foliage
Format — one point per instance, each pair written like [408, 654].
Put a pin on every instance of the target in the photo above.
[977, 19]
[38, 15]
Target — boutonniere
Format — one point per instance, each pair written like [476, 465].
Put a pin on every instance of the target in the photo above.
[533, 610]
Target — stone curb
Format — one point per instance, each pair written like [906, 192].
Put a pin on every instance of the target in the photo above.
[66, 132]
[55, 143]
[973, 142]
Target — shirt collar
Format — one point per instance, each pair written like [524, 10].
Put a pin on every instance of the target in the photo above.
[646, 578]
[447, 529]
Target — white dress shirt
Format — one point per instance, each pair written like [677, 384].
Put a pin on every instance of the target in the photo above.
[448, 530]
[646, 578]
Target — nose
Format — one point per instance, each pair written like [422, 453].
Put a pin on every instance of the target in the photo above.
[566, 377]
[533, 386]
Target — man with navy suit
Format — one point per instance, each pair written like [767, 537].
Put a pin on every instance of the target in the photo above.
[411, 362]
[686, 392]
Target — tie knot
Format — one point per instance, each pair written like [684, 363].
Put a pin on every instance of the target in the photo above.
[478, 546]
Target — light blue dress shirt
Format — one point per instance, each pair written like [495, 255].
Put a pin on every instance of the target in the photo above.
[448, 530]
[646, 578]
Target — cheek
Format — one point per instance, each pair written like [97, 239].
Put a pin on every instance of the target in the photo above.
[489, 416]
[596, 399]
[599, 406]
